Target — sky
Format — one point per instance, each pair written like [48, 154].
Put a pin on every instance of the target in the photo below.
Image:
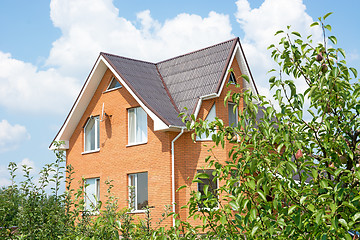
[48, 48]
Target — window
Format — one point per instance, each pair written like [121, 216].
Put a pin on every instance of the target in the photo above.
[92, 193]
[232, 79]
[208, 190]
[92, 134]
[138, 191]
[137, 126]
[210, 118]
[114, 84]
[233, 116]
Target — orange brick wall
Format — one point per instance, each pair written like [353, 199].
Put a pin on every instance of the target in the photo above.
[115, 160]
[190, 156]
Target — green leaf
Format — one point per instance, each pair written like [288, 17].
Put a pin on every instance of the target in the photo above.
[354, 71]
[356, 216]
[202, 175]
[261, 194]
[254, 230]
[342, 52]
[333, 39]
[181, 187]
[278, 32]
[223, 219]
[328, 27]
[302, 199]
[245, 77]
[297, 34]
[253, 213]
[314, 24]
[251, 184]
[326, 15]
[343, 222]
[291, 209]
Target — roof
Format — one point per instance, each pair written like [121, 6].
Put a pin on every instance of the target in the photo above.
[196, 74]
[165, 88]
[170, 86]
[144, 79]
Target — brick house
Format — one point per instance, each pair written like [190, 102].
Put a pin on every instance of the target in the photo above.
[124, 124]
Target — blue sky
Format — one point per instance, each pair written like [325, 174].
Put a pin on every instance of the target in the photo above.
[47, 49]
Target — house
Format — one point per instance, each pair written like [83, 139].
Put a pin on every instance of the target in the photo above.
[124, 124]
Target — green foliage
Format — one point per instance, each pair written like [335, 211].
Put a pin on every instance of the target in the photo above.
[294, 173]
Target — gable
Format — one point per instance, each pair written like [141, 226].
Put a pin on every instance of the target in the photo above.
[196, 74]
[166, 88]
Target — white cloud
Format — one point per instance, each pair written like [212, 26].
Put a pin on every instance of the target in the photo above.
[25, 88]
[4, 176]
[260, 25]
[28, 163]
[11, 136]
[91, 26]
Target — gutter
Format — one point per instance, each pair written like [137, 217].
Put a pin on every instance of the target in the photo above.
[173, 170]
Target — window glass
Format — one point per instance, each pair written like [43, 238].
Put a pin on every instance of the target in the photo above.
[233, 116]
[114, 84]
[137, 125]
[92, 193]
[212, 187]
[232, 78]
[138, 190]
[210, 118]
[132, 126]
[92, 133]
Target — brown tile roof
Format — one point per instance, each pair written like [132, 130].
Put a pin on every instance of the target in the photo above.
[144, 80]
[171, 85]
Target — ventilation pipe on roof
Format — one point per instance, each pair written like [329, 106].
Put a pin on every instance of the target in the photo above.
[173, 170]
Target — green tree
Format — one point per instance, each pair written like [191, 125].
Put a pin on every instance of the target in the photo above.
[290, 176]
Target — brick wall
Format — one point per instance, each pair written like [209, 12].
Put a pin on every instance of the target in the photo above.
[190, 156]
[116, 160]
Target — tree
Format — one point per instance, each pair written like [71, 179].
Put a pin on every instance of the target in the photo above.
[298, 166]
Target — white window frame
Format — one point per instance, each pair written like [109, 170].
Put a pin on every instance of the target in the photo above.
[137, 142]
[198, 187]
[203, 137]
[88, 207]
[231, 108]
[108, 89]
[134, 208]
[97, 132]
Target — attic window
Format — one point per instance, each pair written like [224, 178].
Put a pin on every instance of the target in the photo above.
[232, 79]
[114, 84]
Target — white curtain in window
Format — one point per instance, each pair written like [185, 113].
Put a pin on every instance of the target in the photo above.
[91, 193]
[141, 125]
[90, 135]
[132, 126]
[137, 125]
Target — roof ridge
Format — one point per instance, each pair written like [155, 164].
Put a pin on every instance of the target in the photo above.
[167, 90]
[137, 60]
[199, 50]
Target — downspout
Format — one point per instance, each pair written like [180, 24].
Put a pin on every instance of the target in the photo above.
[173, 170]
